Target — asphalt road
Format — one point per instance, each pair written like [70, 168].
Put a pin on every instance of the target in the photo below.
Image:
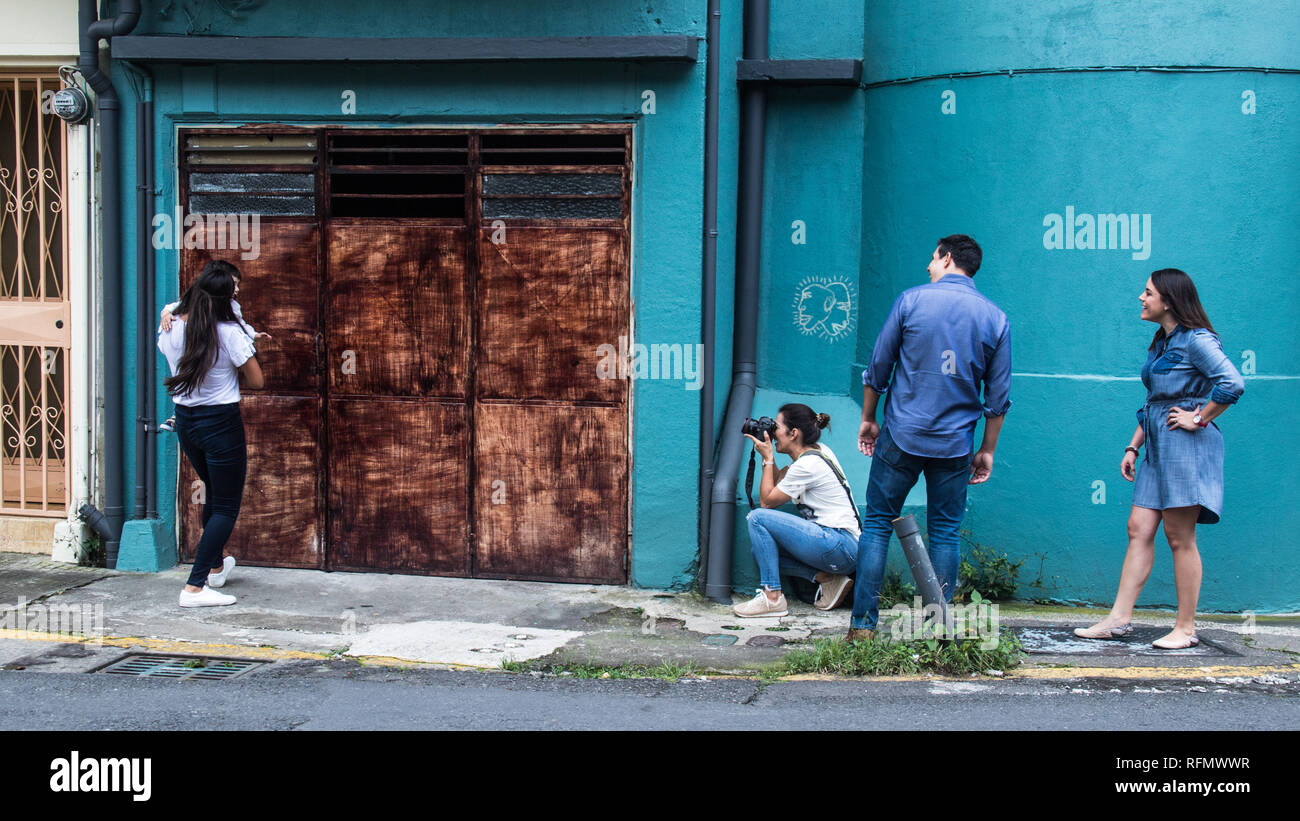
[342, 695]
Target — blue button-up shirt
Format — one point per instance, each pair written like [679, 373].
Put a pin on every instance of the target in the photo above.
[941, 340]
[1186, 367]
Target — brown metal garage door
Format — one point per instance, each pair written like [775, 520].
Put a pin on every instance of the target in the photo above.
[436, 299]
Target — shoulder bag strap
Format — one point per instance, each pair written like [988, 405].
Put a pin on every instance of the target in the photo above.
[844, 483]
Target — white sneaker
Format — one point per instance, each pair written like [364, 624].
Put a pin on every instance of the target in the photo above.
[219, 579]
[761, 607]
[207, 597]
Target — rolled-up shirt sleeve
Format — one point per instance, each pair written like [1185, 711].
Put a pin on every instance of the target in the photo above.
[997, 378]
[885, 354]
[1206, 354]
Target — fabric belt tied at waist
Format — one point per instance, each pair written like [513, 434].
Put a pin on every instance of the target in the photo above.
[1184, 402]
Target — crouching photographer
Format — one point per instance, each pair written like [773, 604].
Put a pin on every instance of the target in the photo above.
[822, 546]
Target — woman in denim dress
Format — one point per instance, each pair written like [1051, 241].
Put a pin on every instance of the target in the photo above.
[1189, 381]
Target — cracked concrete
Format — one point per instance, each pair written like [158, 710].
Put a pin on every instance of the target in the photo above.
[478, 623]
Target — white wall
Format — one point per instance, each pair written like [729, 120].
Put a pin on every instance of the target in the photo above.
[38, 32]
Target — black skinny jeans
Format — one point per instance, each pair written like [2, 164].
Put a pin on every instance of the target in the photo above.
[212, 437]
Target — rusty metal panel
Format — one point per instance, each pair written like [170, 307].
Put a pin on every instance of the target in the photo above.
[281, 519]
[551, 492]
[399, 486]
[279, 294]
[548, 298]
[398, 300]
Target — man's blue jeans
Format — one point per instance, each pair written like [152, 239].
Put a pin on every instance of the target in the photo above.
[787, 545]
[893, 473]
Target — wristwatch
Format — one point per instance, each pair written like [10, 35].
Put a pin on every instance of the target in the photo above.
[1197, 420]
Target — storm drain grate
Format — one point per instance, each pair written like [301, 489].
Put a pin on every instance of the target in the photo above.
[180, 667]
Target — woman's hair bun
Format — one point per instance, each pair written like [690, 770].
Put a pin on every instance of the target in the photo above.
[823, 420]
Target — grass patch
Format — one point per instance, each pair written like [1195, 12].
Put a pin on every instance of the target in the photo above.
[666, 671]
[883, 657]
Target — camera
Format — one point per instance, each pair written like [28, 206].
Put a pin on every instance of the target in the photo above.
[757, 427]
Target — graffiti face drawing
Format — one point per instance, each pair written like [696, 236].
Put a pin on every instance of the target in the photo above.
[824, 307]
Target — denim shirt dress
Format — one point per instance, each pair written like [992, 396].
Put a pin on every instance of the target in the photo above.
[1183, 468]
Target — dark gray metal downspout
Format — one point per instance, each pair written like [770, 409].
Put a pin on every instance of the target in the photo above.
[749, 234]
[92, 31]
[148, 366]
[146, 430]
[708, 300]
[141, 312]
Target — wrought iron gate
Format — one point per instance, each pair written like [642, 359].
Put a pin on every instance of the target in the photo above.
[35, 317]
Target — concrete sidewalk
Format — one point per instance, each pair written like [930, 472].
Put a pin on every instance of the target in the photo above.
[414, 620]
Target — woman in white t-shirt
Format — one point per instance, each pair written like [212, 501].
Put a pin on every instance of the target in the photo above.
[822, 546]
[207, 351]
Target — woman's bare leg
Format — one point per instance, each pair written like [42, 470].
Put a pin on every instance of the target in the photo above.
[1180, 531]
[1142, 525]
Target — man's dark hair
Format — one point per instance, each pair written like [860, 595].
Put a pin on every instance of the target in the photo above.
[966, 253]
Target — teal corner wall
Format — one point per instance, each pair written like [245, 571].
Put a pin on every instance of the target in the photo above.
[1213, 157]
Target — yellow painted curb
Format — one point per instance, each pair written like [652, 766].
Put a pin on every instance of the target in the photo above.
[1218, 671]
[208, 649]
[166, 645]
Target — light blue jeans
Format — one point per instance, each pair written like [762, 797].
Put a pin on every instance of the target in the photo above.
[785, 544]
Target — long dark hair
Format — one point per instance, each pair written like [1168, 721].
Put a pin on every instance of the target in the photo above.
[1179, 295]
[806, 421]
[204, 304]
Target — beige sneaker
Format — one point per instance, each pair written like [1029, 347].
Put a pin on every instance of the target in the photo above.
[762, 607]
[831, 594]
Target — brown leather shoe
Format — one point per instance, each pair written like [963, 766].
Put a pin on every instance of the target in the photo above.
[860, 634]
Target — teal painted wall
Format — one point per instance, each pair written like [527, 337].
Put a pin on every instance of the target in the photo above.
[1222, 188]
[667, 198]
[876, 175]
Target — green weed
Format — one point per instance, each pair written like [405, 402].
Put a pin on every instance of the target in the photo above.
[893, 590]
[984, 569]
[94, 554]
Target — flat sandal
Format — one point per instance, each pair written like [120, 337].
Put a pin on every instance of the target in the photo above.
[1192, 641]
[1122, 631]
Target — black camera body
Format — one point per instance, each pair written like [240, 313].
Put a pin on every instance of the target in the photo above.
[757, 427]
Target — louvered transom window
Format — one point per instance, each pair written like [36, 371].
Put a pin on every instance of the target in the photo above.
[518, 174]
[251, 173]
[398, 174]
[544, 175]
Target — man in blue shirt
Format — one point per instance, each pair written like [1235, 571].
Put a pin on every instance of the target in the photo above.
[940, 342]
